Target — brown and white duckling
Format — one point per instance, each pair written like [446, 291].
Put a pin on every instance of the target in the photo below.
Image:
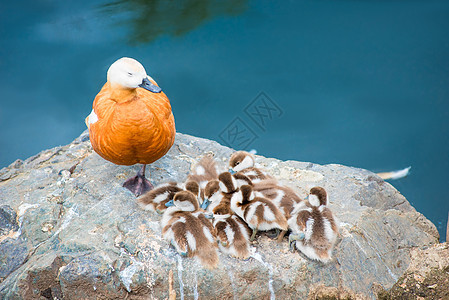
[313, 226]
[156, 199]
[282, 196]
[204, 171]
[232, 233]
[259, 213]
[190, 234]
[219, 192]
[244, 162]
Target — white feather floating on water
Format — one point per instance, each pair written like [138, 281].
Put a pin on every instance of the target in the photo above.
[394, 174]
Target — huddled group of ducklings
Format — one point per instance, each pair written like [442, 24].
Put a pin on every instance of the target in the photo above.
[224, 211]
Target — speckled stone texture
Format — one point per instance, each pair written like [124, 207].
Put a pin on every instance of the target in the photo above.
[69, 230]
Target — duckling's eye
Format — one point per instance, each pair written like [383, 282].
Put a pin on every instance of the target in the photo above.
[130, 74]
[237, 163]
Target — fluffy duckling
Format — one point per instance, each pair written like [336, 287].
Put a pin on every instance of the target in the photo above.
[131, 121]
[203, 172]
[282, 196]
[186, 229]
[219, 192]
[156, 199]
[244, 162]
[212, 195]
[259, 213]
[314, 229]
[232, 233]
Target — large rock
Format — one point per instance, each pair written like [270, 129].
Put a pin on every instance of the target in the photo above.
[69, 230]
[427, 276]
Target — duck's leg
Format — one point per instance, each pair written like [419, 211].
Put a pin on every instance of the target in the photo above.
[138, 184]
[281, 236]
[253, 236]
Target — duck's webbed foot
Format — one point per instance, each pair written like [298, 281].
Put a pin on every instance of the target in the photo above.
[138, 184]
[272, 234]
[293, 237]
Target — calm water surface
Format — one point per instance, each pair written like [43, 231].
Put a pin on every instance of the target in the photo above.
[360, 83]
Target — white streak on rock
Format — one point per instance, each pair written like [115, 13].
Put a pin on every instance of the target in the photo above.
[181, 284]
[195, 288]
[127, 274]
[23, 208]
[258, 257]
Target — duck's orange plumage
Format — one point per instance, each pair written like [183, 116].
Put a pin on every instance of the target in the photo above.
[134, 126]
[130, 124]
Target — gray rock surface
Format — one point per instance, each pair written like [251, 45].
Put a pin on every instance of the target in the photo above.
[69, 230]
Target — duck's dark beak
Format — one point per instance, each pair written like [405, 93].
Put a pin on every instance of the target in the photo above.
[148, 85]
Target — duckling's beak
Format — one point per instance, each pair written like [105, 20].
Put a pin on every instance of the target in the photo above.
[205, 204]
[169, 203]
[231, 171]
[148, 85]
[209, 215]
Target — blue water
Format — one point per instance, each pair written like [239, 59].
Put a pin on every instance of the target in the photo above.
[360, 83]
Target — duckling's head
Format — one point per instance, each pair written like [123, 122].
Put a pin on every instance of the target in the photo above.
[243, 196]
[212, 187]
[241, 160]
[242, 179]
[128, 73]
[185, 201]
[318, 196]
[247, 193]
[227, 183]
[193, 187]
[223, 209]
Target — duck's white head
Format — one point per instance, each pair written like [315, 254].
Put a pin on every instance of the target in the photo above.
[129, 73]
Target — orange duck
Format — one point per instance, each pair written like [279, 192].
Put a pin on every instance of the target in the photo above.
[131, 121]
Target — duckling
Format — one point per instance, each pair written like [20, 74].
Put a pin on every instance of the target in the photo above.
[187, 232]
[203, 172]
[156, 199]
[244, 162]
[212, 195]
[232, 232]
[259, 213]
[131, 121]
[282, 196]
[314, 229]
[219, 192]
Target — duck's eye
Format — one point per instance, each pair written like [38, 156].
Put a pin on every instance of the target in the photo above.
[237, 163]
[130, 74]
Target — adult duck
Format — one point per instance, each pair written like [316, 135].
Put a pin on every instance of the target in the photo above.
[131, 121]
